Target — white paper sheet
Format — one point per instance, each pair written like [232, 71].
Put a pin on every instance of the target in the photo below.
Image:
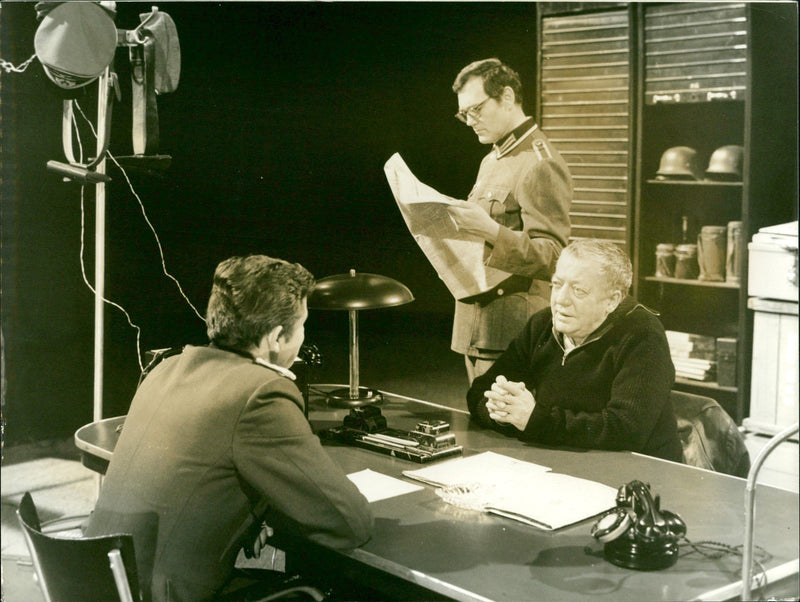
[487, 468]
[523, 491]
[377, 486]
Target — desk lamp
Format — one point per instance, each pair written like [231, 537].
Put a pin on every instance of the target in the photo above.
[354, 292]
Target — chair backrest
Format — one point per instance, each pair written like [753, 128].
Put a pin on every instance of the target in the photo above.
[79, 569]
[709, 436]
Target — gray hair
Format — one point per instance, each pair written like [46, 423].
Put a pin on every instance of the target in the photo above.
[615, 264]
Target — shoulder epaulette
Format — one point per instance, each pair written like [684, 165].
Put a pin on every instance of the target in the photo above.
[541, 149]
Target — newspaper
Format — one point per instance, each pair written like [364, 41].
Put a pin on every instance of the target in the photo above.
[456, 256]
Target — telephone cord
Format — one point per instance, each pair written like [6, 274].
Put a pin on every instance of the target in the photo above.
[714, 550]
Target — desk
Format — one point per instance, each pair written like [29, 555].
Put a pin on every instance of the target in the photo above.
[424, 547]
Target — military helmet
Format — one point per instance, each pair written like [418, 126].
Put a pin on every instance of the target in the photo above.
[726, 163]
[679, 163]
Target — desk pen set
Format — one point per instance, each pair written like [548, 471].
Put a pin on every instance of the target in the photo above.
[366, 427]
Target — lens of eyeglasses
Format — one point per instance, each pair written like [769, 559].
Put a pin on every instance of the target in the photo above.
[474, 111]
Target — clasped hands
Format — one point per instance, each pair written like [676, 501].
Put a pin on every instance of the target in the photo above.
[510, 403]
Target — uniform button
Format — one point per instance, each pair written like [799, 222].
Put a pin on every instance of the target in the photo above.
[500, 292]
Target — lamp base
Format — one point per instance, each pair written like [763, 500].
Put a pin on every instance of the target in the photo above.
[340, 398]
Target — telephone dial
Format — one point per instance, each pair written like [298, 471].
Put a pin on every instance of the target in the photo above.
[637, 534]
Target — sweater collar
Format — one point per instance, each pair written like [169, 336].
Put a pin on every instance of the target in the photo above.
[627, 306]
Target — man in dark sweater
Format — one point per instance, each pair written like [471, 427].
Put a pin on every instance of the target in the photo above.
[592, 371]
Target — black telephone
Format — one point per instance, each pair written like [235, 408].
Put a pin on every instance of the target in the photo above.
[637, 534]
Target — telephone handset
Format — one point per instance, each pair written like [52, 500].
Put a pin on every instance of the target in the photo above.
[637, 534]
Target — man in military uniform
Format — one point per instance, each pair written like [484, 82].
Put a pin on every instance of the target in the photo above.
[519, 206]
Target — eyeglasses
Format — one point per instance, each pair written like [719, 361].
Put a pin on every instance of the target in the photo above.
[474, 111]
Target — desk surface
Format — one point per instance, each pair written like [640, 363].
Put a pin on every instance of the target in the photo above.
[468, 555]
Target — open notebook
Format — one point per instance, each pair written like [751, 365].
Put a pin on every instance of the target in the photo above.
[523, 491]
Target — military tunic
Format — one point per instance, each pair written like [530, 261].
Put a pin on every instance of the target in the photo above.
[525, 186]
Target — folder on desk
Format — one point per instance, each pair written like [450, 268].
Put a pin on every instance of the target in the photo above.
[523, 491]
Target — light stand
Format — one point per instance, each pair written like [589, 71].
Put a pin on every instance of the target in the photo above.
[749, 506]
[354, 292]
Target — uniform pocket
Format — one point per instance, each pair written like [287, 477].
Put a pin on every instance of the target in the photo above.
[491, 198]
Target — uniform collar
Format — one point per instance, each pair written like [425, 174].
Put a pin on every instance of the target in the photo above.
[279, 369]
[508, 142]
[258, 360]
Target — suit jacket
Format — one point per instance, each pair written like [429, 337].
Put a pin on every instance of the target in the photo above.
[525, 186]
[210, 436]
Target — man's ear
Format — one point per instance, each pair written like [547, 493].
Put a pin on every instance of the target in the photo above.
[273, 338]
[509, 96]
[614, 300]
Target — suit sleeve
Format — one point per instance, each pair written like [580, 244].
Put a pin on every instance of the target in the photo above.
[544, 195]
[276, 452]
[639, 391]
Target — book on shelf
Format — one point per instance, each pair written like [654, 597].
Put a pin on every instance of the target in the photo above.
[691, 375]
[691, 346]
[694, 363]
[690, 353]
[691, 341]
[523, 491]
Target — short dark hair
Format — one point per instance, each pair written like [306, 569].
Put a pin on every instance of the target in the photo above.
[495, 74]
[252, 295]
[615, 264]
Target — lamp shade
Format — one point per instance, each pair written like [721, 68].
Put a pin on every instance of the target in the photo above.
[355, 291]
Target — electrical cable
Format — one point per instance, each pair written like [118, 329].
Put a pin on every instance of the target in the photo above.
[714, 550]
[105, 300]
[83, 246]
[147, 220]
[158, 241]
[149, 224]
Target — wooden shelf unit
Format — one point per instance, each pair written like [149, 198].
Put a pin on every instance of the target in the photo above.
[620, 83]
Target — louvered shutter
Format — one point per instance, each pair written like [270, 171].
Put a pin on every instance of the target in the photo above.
[695, 52]
[585, 111]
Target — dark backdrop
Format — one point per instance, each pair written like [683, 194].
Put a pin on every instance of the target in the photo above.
[278, 132]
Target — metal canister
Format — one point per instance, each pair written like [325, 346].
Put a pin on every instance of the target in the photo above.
[733, 259]
[711, 253]
[665, 260]
[686, 266]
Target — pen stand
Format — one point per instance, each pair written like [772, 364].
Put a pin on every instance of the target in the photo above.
[366, 427]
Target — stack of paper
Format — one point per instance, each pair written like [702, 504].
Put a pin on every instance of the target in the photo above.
[526, 492]
[694, 355]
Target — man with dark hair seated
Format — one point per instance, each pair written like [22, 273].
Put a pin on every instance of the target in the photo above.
[593, 370]
[216, 442]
